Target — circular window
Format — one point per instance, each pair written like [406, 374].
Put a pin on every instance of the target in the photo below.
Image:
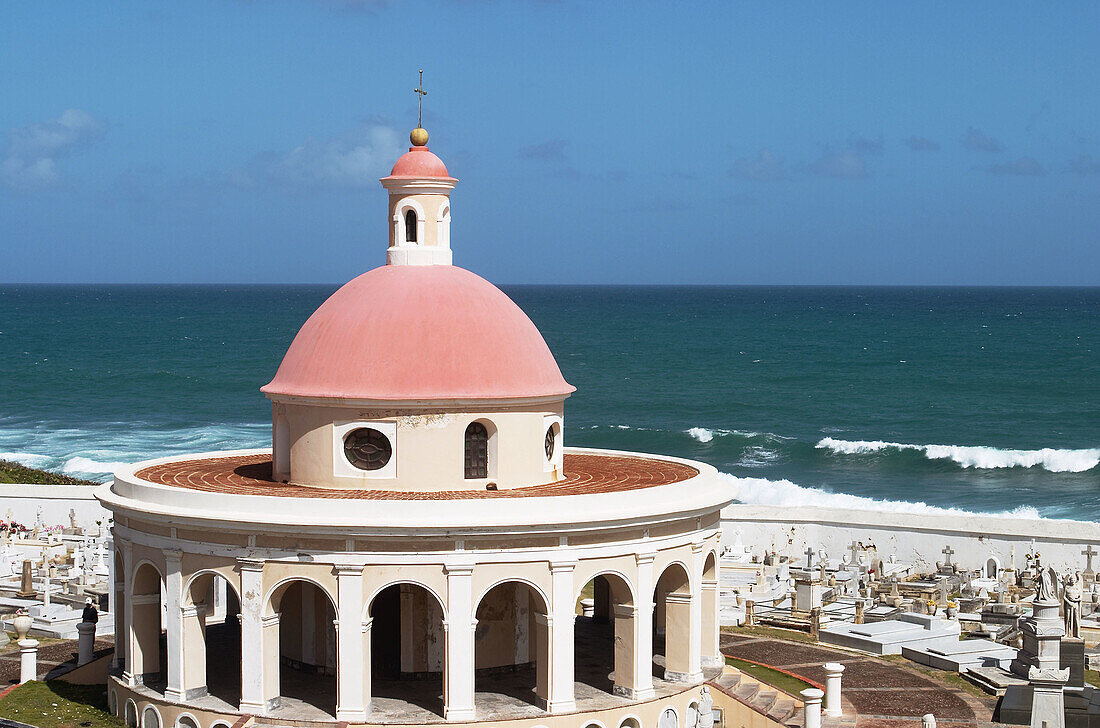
[367, 449]
[548, 443]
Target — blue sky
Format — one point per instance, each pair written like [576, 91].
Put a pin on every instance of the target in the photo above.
[596, 142]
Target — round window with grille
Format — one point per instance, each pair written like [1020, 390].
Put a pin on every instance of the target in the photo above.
[367, 449]
[548, 443]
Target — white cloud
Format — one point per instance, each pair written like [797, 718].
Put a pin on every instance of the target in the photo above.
[353, 159]
[764, 167]
[845, 164]
[30, 159]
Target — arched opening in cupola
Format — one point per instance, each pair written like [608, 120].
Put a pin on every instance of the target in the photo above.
[604, 636]
[406, 649]
[476, 451]
[410, 226]
[511, 646]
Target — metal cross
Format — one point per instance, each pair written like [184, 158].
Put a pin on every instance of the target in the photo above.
[420, 94]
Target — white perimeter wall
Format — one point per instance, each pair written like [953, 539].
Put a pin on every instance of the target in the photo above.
[916, 539]
[55, 500]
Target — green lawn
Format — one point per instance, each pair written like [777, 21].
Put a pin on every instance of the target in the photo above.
[15, 473]
[781, 680]
[57, 704]
[773, 632]
[1092, 677]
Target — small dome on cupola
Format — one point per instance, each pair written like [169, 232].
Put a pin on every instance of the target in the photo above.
[418, 162]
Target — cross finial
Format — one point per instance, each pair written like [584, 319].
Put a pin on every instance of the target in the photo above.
[420, 94]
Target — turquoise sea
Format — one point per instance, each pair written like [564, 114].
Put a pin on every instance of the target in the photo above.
[906, 399]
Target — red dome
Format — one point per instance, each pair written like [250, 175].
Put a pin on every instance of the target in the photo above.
[403, 332]
[419, 162]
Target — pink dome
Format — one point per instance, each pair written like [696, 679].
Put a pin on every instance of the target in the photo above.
[419, 162]
[403, 332]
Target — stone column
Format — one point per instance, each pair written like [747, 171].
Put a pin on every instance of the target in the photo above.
[351, 703]
[173, 597]
[120, 611]
[695, 631]
[811, 698]
[681, 661]
[833, 671]
[642, 661]
[253, 695]
[711, 634]
[563, 619]
[85, 642]
[458, 668]
[28, 660]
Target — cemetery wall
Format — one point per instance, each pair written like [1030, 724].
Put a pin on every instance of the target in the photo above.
[915, 538]
[23, 502]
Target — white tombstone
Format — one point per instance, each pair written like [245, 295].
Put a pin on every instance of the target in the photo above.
[28, 660]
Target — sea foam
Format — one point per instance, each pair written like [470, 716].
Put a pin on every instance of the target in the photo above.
[977, 456]
[762, 492]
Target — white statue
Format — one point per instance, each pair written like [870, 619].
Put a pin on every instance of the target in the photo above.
[1071, 606]
[706, 708]
[1048, 586]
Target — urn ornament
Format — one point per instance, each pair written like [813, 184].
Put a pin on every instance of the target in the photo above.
[22, 624]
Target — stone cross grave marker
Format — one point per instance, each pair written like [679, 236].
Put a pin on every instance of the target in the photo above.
[809, 558]
[948, 552]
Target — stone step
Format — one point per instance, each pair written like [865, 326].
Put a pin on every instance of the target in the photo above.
[797, 718]
[746, 690]
[765, 699]
[781, 710]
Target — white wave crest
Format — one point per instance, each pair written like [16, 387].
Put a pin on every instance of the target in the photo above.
[84, 466]
[701, 434]
[759, 491]
[977, 456]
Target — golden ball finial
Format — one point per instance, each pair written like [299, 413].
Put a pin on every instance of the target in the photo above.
[419, 136]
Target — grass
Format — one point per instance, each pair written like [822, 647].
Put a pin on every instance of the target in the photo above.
[1092, 677]
[57, 704]
[775, 678]
[773, 632]
[15, 473]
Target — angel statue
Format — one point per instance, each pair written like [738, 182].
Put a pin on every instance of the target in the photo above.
[1048, 586]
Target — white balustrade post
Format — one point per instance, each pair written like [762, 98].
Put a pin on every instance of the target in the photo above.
[811, 697]
[458, 668]
[350, 701]
[85, 642]
[252, 652]
[561, 698]
[833, 671]
[173, 597]
[28, 660]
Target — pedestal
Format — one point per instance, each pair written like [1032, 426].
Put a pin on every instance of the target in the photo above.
[811, 697]
[1042, 632]
[833, 671]
[28, 660]
[85, 642]
[1048, 703]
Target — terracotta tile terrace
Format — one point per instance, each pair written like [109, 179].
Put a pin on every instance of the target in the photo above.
[585, 473]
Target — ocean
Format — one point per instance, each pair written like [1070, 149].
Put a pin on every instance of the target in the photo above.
[902, 399]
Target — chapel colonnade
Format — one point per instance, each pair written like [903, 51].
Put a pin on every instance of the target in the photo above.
[167, 592]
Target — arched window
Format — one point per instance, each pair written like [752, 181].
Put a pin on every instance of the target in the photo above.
[410, 226]
[477, 451]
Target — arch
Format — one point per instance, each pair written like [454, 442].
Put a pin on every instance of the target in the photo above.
[404, 645]
[475, 450]
[399, 218]
[512, 633]
[519, 580]
[112, 702]
[130, 713]
[187, 720]
[629, 586]
[150, 717]
[397, 582]
[220, 724]
[630, 721]
[299, 638]
[992, 567]
[672, 597]
[593, 723]
[211, 637]
[145, 652]
[605, 642]
[410, 226]
[669, 718]
[692, 715]
[272, 597]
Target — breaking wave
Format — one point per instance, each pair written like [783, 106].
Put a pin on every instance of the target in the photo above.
[762, 492]
[977, 456]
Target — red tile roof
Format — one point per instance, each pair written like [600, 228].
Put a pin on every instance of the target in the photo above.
[585, 473]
